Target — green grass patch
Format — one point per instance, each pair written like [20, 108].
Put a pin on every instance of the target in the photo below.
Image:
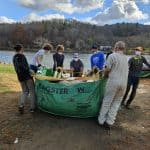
[6, 68]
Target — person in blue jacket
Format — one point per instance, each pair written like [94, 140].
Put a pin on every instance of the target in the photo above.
[97, 59]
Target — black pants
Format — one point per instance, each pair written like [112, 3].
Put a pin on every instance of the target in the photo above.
[134, 82]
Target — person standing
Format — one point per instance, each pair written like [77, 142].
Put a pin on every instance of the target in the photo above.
[117, 72]
[97, 59]
[76, 66]
[58, 57]
[26, 81]
[135, 67]
[41, 58]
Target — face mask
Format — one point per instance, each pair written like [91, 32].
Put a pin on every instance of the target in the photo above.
[76, 59]
[137, 53]
[47, 51]
[60, 53]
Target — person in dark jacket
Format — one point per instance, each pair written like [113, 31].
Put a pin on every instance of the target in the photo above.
[76, 66]
[58, 57]
[26, 81]
[135, 68]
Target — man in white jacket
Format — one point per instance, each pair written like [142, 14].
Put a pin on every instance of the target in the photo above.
[117, 72]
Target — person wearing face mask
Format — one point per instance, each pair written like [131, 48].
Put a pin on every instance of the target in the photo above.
[58, 57]
[135, 67]
[76, 66]
[97, 59]
[117, 73]
[41, 58]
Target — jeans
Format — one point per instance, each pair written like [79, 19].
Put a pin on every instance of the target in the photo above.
[134, 82]
[28, 89]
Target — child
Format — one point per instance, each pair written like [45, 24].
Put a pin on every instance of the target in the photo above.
[26, 81]
[76, 66]
[41, 58]
[58, 57]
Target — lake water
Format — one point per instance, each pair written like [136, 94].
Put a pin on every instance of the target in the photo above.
[6, 57]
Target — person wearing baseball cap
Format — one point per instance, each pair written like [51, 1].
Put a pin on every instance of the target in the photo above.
[76, 66]
[98, 58]
[135, 67]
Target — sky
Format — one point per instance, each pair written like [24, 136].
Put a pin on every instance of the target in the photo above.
[99, 12]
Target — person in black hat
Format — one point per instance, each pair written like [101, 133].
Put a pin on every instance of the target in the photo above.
[26, 81]
[76, 66]
[97, 59]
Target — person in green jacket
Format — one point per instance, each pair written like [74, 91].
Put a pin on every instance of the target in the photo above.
[135, 67]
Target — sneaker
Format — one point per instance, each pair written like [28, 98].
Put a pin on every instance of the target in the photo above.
[127, 106]
[32, 110]
[107, 126]
[122, 104]
[21, 109]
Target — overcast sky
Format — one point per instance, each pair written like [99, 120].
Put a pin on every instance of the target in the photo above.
[98, 12]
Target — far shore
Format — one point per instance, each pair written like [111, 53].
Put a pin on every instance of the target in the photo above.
[128, 52]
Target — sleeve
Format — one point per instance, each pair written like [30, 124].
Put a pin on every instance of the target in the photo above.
[145, 61]
[54, 58]
[63, 59]
[21, 64]
[92, 64]
[130, 61]
[103, 59]
[40, 53]
[55, 63]
[109, 62]
[81, 64]
[71, 64]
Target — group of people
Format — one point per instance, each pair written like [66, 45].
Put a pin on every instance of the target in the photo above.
[121, 74]
[42, 58]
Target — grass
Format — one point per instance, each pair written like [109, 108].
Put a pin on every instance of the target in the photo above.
[8, 79]
[6, 68]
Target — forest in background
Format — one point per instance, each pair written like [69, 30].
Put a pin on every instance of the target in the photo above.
[74, 35]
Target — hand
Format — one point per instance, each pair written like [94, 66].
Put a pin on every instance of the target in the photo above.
[39, 65]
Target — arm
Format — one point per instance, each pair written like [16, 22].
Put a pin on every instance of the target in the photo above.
[81, 67]
[71, 68]
[39, 59]
[103, 60]
[92, 64]
[63, 60]
[106, 72]
[145, 62]
[71, 65]
[108, 67]
[22, 64]
[130, 61]
[55, 63]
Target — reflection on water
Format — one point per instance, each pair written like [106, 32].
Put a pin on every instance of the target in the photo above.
[6, 57]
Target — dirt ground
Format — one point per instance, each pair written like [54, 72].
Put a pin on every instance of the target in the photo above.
[42, 131]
